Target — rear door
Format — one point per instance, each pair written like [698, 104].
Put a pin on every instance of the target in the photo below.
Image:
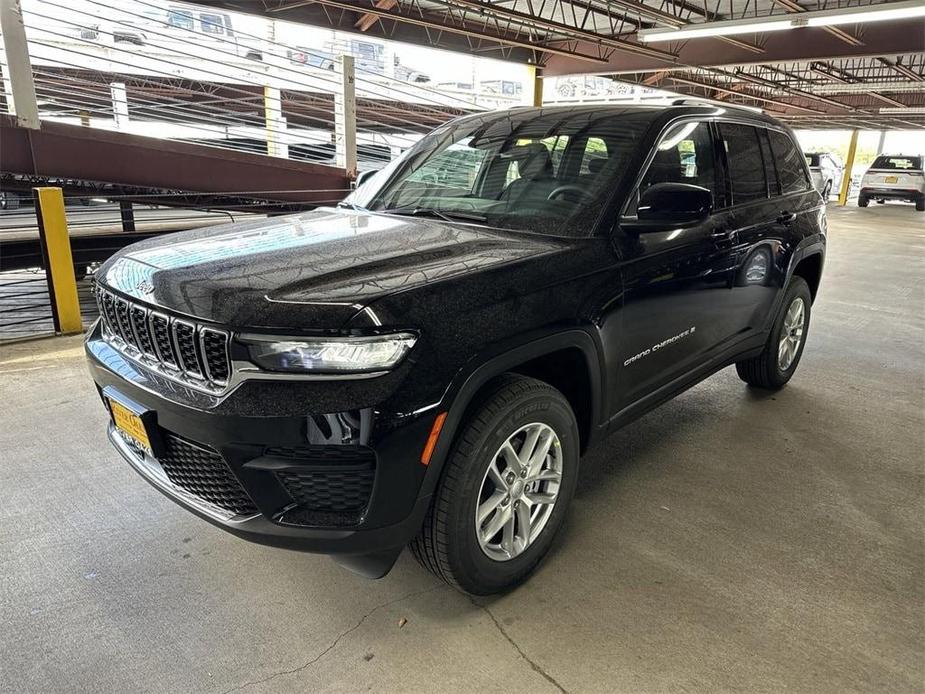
[768, 227]
[757, 216]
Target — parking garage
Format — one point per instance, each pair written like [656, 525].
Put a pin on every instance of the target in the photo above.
[655, 277]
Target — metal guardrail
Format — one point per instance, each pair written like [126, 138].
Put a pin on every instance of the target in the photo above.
[49, 252]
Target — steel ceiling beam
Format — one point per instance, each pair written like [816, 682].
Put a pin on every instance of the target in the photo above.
[796, 45]
[421, 21]
[573, 32]
[731, 91]
[795, 7]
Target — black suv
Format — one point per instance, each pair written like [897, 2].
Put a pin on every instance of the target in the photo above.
[427, 362]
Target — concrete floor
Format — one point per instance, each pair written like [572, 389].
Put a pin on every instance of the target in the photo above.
[728, 541]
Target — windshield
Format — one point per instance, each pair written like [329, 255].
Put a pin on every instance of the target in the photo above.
[546, 172]
[899, 163]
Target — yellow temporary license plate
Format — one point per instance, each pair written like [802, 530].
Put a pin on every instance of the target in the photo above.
[890, 179]
[130, 424]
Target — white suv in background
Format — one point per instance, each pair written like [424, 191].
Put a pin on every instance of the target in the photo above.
[894, 177]
[826, 172]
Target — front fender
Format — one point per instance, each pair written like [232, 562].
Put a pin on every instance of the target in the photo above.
[501, 358]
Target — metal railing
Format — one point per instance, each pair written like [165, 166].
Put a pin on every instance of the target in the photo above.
[51, 246]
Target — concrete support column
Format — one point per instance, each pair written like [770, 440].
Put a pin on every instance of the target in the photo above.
[849, 164]
[882, 143]
[275, 123]
[57, 259]
[119, 104]
[345, 116]
[536, 82]
[21, 94]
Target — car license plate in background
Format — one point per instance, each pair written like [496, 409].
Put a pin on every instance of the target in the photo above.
[130, 424]
[890, 179]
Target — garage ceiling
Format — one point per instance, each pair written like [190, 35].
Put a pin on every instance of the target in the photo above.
[869, 74]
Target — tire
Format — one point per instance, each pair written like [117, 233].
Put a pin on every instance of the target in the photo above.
[920, 204]
[771, 369]
[863, 202]
[448, 544]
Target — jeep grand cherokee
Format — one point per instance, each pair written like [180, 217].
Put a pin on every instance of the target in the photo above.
[425, 363]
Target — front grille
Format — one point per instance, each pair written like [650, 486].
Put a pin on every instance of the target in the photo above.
[194, 354]
[203, 472]
[332, 486]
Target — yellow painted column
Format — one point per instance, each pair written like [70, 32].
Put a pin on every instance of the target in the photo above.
[846, 174]
[537, 81]
[59, 264]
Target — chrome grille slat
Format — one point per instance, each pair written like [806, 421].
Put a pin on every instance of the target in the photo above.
[139, 319]
[179, 349]
[184, 336]
[125, 327]
[163, 342]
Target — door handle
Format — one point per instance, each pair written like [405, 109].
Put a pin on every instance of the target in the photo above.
[722, 236]
[786, 218]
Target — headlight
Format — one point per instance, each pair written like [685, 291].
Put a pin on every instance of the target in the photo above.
[334, 355]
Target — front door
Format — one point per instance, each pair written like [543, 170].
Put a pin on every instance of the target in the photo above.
[677, 281]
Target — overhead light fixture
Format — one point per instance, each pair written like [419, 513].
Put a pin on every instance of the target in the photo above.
[909, 110]
[907, 9]
[730, 28]
[871, 13]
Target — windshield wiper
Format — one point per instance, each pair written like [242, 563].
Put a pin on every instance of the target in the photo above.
[351, 206]
[447, 216]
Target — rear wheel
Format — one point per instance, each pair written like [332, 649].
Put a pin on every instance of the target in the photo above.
[863, 202]
[920, 204]
[784, 348]
[505, 488]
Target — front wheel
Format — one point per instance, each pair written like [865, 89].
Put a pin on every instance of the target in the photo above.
[784, 348]
[505, 488]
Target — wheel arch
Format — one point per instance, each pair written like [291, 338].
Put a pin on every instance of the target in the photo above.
[809, 268]
[580, 382]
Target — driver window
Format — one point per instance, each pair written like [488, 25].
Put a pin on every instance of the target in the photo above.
[684, 155]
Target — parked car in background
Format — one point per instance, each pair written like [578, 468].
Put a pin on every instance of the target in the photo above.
[425, 364]
[175, 25]
[894, 177]
[826, 172]
[370, 57]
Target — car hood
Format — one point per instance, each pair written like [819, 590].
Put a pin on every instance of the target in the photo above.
[313, 270]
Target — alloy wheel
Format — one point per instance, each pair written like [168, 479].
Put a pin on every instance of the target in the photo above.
[791, 334]
[519, 491]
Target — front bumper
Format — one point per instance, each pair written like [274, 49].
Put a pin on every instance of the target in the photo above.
[263, 454]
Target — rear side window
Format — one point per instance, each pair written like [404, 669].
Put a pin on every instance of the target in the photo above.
[770, 171]
[789, 161]
[746, 166]
[897, 163]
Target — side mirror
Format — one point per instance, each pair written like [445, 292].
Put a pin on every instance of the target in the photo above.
[364, 176]
[672, 205]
